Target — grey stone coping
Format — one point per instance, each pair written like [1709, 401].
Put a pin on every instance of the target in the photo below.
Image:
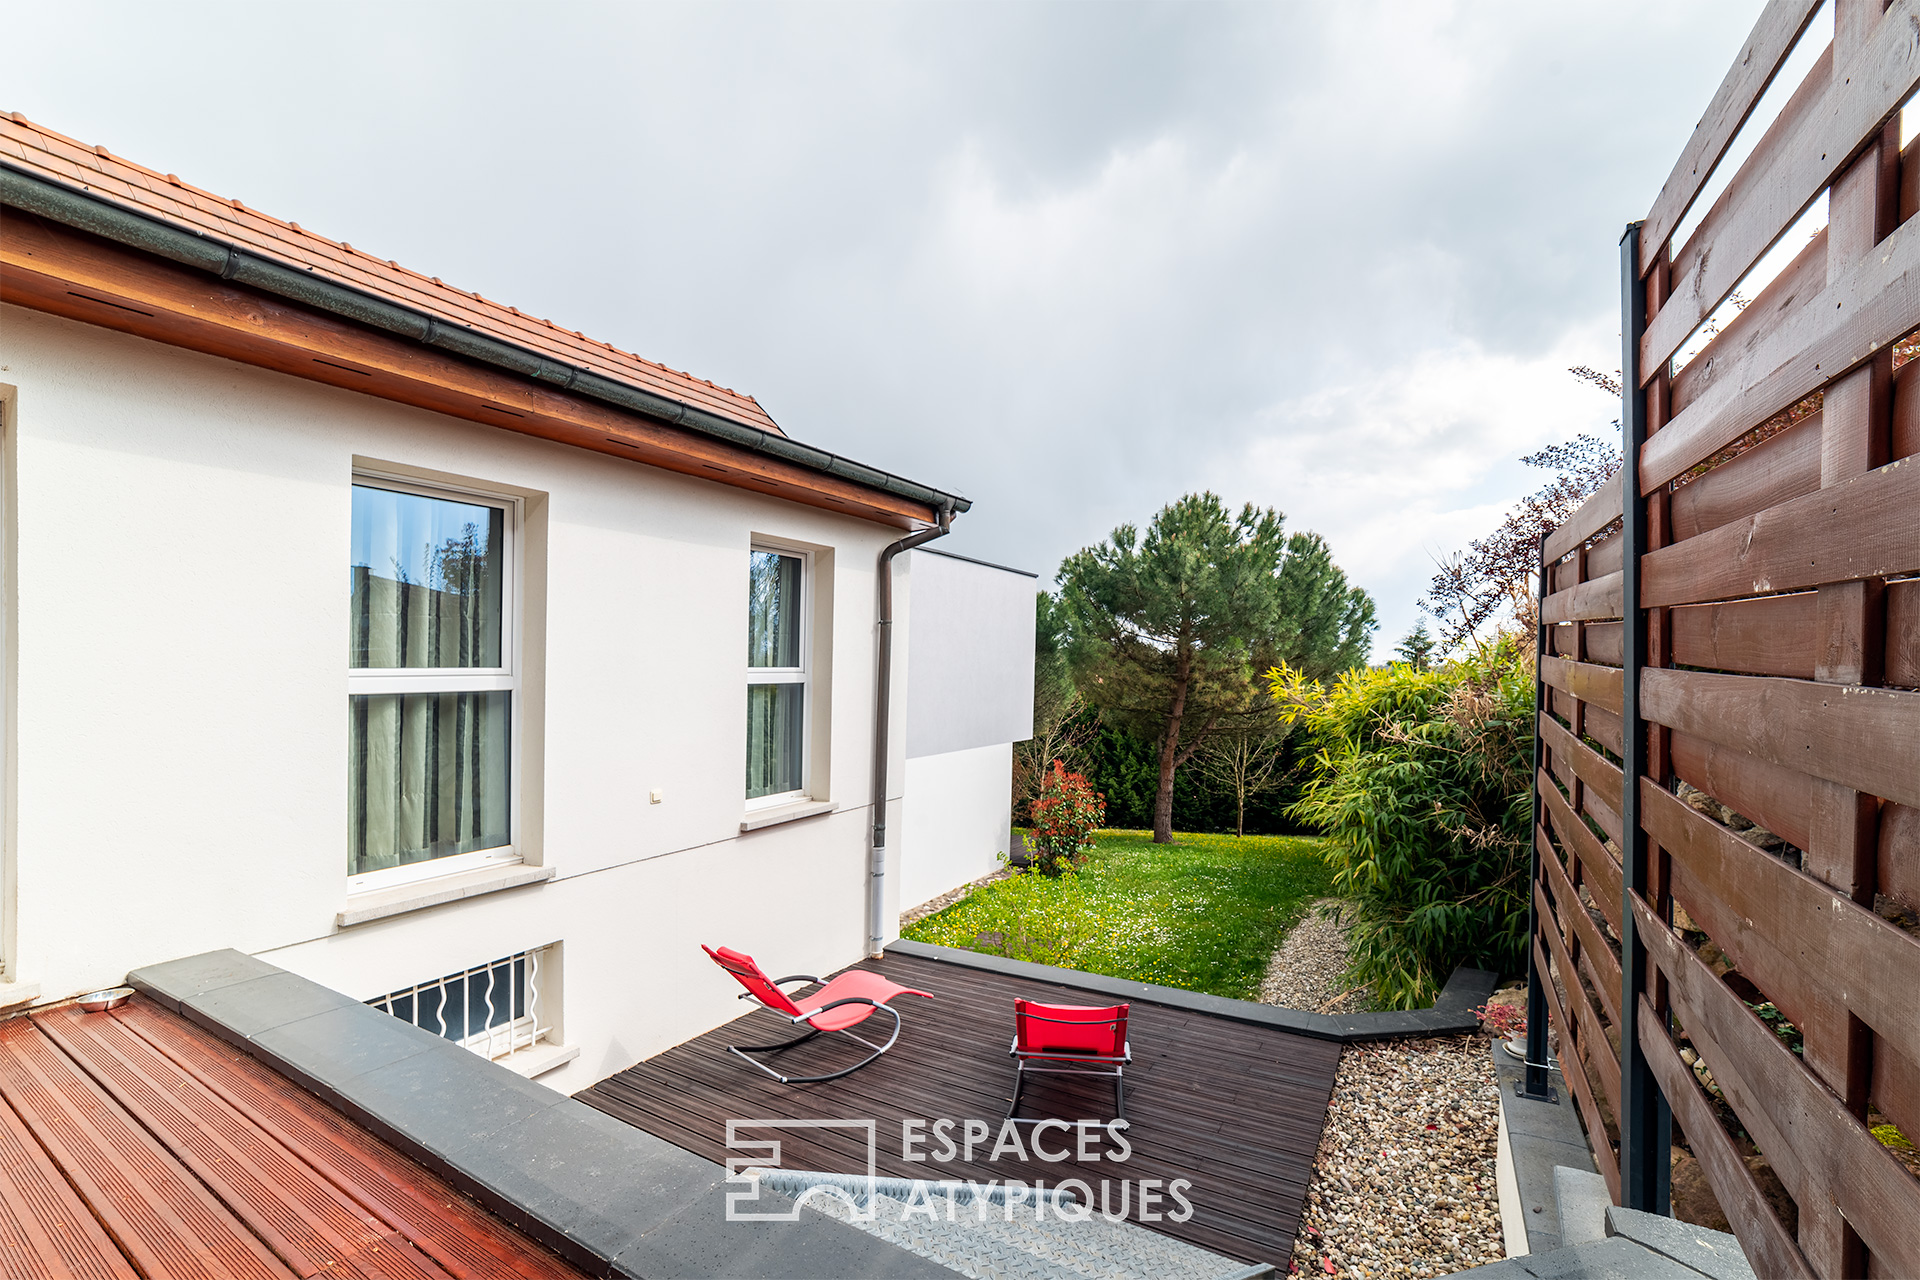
[612, 1199]
[1541, 1137]
[1451, 1014]
[1638, 1246]
[1573, 1233]
[1711, 1253]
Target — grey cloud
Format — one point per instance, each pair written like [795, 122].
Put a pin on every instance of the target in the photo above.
[1071, 258]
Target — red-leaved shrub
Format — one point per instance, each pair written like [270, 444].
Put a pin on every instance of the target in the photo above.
[1065, 816]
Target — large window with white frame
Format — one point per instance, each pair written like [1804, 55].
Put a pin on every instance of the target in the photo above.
[432, 682]
[778, 644]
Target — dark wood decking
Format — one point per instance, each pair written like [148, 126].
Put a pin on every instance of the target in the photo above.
[1235, 1109]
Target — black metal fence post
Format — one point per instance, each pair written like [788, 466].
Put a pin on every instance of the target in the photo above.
[1537, 1084]
[1646, 1123]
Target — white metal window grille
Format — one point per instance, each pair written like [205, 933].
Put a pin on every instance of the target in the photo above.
[493, 1009]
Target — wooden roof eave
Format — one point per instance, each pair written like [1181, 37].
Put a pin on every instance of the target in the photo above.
[51, 268]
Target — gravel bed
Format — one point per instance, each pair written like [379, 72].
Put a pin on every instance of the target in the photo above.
[1404, 1181]
[1305, 973]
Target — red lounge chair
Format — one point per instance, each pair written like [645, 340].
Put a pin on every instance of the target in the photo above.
[1091, 1042]
[840, 1005]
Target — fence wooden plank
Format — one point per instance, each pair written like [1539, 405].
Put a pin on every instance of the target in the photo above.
[1772, 472]
[1906, 383]
[1763, 1237]
[1563, 640]
[1773, 636]
[1595, 514]
[1896, 1087]
[1603, 643]
[1868, 527]
[1574, 1071]
[1779, 799]
[1760, 959]
[1834, 941]
[1864, 738]
[1595, 947]
[1766, 48]
[1603, 557]
[1795, 287]
[1592, 1034]
[1604, 728]
[1853, 318]
[1597, 865]
[1778, 180]
[1838, 1159]
[1602, 813]
[1898, 856]
[1599, 598]
[1903, 633]
[1597, 686]
[1599, 773]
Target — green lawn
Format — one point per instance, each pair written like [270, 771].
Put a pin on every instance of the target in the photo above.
[1203, 913]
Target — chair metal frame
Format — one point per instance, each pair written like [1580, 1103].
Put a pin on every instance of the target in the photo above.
[1024, 1060]
[735, 962]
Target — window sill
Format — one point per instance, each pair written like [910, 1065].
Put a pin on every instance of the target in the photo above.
[540, 1059]
[18, 993]
[378, 905]
[785, 813]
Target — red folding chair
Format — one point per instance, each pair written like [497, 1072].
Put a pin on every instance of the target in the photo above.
[1083, 1041]
[839, 1006]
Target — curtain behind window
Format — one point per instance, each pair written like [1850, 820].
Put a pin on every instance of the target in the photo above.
[426, 581]
[427, 772]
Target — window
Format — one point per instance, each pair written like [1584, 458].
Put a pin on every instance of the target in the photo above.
[777, 653]
[431, 684]
[496, 1009]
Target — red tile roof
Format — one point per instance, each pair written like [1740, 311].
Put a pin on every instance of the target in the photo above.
[162, 195]
[134, 1144]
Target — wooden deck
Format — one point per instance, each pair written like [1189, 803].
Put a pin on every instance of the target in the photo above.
[133, 1144]
[1235, 1109]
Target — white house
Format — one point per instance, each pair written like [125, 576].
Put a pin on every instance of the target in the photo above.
[440, 654]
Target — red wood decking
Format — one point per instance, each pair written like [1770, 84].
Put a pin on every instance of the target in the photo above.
[134, 1144]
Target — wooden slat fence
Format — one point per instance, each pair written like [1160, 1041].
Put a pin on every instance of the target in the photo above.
[1728, 793]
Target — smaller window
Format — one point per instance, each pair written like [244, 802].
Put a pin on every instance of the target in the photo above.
[777, 676]
[496, 1010]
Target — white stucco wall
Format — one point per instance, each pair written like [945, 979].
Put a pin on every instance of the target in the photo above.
[969, 679]
[957, 820]
[972, 629]
[179, 728]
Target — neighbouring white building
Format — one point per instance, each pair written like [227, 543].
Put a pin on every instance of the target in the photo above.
[439, 654]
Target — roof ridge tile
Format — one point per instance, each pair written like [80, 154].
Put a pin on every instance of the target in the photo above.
[166, 197]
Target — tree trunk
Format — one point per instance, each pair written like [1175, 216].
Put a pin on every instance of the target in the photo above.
[1169, 755]
[1240, 819]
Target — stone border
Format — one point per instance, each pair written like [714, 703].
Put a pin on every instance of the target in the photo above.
[1541, 1136]
[612, 1199]
[1451, 1014]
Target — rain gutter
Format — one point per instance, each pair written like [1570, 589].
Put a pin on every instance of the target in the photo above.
[85, 211]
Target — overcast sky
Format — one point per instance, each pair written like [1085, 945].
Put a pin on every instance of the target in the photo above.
[1071, 260]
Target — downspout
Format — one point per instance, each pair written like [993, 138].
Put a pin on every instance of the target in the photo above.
[883, 704]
